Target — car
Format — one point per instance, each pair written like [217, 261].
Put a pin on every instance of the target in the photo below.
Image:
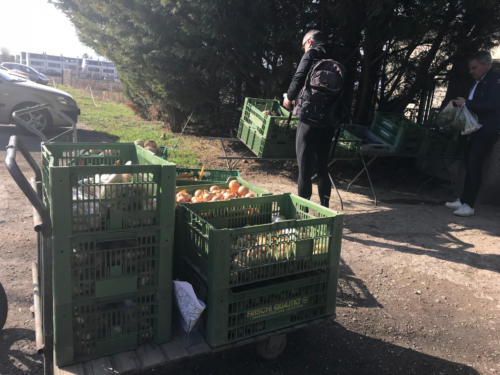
[17, 93]
[12, 72]
[27, 71]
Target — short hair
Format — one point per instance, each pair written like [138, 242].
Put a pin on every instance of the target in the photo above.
[483, 57]
[315, 35]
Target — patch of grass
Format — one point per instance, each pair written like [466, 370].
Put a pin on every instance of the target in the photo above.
[120, 121]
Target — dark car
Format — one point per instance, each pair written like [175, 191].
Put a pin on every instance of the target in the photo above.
[27, 71]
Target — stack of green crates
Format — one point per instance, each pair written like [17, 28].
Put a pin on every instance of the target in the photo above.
[403, 135]
[112, 247]
[258, 274]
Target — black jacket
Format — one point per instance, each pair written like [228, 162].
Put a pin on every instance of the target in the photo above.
[486, 101]
[315, 53]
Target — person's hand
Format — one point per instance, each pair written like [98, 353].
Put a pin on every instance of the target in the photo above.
[287, 103]
[459, 102]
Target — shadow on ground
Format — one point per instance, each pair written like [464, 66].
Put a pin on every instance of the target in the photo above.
[14, 358]
[323, 349]
[352, 291]
[435, 235]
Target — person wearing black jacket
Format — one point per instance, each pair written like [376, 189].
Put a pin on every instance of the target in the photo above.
[484, 101]
[312, 142]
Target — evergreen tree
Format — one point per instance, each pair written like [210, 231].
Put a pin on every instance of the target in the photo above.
[203, 57]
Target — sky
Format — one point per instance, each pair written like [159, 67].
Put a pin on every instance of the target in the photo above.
[37, 26]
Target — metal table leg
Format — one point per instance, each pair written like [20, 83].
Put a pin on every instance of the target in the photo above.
[365, 169]
[337, 191]
[225, 153]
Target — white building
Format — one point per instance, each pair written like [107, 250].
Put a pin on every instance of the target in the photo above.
[85, 68]
[96, 69]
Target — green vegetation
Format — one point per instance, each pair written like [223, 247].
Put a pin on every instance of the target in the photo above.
[120, 122]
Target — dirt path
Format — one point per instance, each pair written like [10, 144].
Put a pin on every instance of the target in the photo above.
[419, 291]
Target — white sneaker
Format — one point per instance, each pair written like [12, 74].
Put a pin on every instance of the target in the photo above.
[455, 204]
[464, 210]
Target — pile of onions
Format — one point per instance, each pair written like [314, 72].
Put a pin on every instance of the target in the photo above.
[215, 193]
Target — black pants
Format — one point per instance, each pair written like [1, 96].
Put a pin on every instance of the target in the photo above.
[312, 145]
[477, 149]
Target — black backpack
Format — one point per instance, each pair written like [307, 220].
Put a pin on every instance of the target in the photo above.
[321, 94]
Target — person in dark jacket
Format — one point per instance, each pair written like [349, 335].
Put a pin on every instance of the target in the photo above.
[313, 141]
[484, 101]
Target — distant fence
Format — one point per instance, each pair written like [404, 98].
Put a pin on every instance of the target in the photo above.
[100, 89]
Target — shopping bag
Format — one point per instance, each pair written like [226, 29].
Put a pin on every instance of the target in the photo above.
[469, 119]
[447, 118]
[189, 305]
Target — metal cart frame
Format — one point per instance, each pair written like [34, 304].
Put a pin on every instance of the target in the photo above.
[26, 125]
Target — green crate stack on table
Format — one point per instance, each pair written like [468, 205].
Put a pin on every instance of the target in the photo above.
[112, 212]
[265, 129]
[261, 264]
[403, 135]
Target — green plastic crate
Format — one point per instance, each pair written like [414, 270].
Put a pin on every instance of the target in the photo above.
[403, 135]
[109, 265]
[235, 242]
[253, 188]
[235, 314]
[107, 326]
[99, 282]
[267, 135]
[80, 200]
[209, 175]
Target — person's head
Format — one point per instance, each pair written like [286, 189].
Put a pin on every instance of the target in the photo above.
[311, 38]
[479, 64]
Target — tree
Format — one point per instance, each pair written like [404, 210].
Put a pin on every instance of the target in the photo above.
[203, 57]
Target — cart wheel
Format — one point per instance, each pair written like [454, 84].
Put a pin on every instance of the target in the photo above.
[3, 307]
[272, 347]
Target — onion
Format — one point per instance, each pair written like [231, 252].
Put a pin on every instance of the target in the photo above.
[242, 191]
[234, 186]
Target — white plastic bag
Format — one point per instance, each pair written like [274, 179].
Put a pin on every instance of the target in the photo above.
[458, 117]
[471, 124]
[189, 305]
